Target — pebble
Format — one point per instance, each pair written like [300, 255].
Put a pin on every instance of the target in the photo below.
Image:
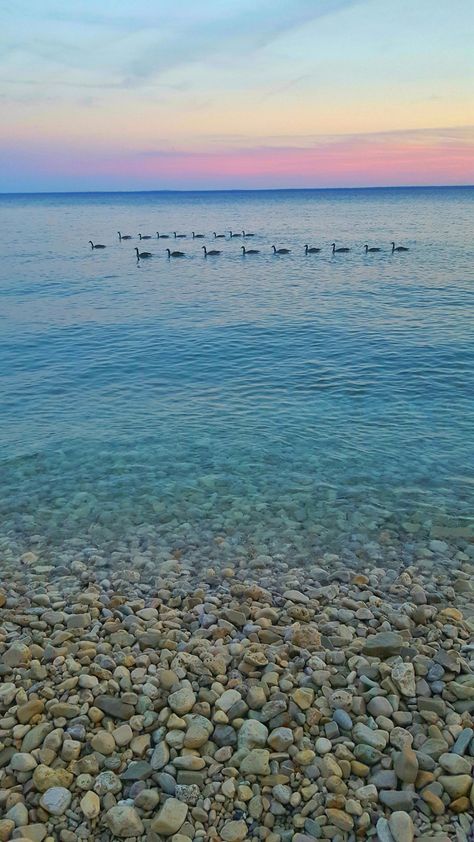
[234, 831]
[288, 709]
[124, 821]
[90, 805]
[56, 800]
[401, 826]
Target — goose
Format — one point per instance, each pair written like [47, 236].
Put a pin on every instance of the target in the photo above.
[145, 236]
[249, 251]
[280, 251]
[162, 236]
[218, 236]
[211, 253]
[198, 236]
[339, 250]
[312, 250]
[371, 250]
[235, 235]
[175, 253]
[399, 248]
[143, 254]
[244, 234]
[97, 245]
[124, 236]
[179, 236]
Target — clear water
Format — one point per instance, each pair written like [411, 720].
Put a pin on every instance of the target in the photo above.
[236, 406]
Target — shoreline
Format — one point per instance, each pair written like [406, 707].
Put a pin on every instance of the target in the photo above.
[252, 702]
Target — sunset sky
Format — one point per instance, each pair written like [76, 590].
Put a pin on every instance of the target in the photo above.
[153, 94]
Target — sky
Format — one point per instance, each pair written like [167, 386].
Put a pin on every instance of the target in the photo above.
[161, 94]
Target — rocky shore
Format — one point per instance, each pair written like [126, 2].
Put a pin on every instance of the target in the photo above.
[253, 702]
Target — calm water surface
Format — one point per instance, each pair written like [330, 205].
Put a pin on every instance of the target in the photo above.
[293, 405]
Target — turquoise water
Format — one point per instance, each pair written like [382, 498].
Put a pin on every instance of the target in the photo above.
[236, 406]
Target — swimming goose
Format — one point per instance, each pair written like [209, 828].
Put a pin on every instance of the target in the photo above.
[339, 250]
[198, 236]
[246, 234]
[249, 251]
[97, 246]
[179, 236]
[371, 249]
[124, 236]
[211, 253]
[312, 250]
[175, 253]
[234, 235]
[399, 248]
[143, 254]
[162, 236]
[280, 251]
[218, 236]
[145, 236]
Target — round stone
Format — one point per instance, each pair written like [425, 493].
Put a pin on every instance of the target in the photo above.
[90, 805]
[124, 821]
[56, 800]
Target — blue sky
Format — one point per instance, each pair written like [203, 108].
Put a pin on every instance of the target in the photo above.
[220, 94]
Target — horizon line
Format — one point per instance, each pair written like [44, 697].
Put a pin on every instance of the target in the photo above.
[239, 189]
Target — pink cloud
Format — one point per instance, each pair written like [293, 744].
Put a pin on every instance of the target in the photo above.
[418, 157]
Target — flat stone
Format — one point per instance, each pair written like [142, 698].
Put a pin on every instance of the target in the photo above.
[114, 707]
[454, 764]
[190, 762]
[26, 712]
[296, 596]
[397, 800]
[383, 645]
[456, 785]
[64, 709]
[401, 826]
[32, 832]
[170, 818]
[137, 770]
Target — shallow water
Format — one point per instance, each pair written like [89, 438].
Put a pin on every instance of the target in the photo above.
[267, 404]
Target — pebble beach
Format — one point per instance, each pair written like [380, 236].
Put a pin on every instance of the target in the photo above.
[155, 699]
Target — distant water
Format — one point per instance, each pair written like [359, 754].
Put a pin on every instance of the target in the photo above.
[235, 406]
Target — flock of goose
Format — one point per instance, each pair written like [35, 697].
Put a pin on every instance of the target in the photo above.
[142, 255]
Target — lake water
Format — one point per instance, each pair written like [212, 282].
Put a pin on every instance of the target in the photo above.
[231, 407]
